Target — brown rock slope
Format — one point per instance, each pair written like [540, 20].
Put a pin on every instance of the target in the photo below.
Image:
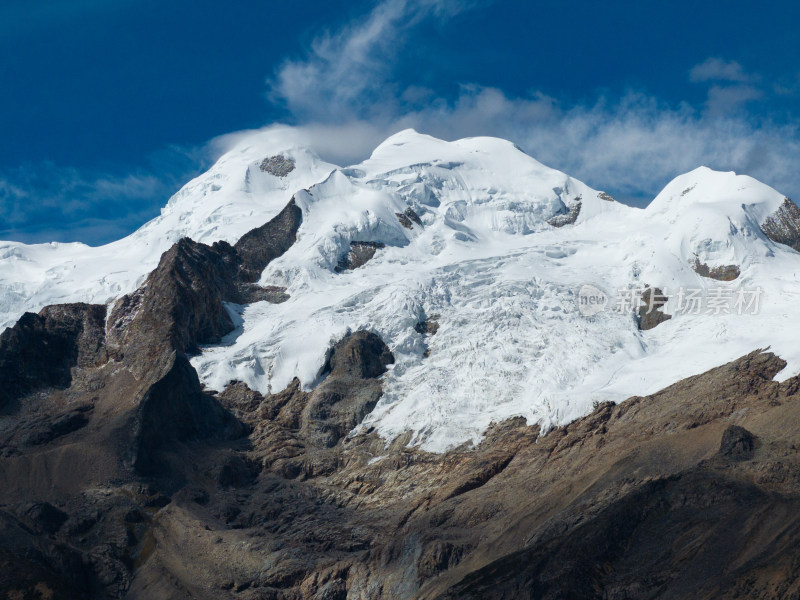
[783, 226]
[689, 493]
[720, 273]
[121, 477]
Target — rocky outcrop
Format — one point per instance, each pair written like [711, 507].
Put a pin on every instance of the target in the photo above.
[49, 428]
[409, 218]
[118, 407]
[737, 443]
[427, 326]
[661, 507]
[651, 312]
[237, 472]
[258, 247]
[720, 273]
[41, 350]
[664, 493]
[360, 253]
[783, 226]
[568, 217]
[278, 165]
[174, 408]
[621, 553]
[45, 517]
[360, 355]
[350, 389]
[273, 294]
[179, 307]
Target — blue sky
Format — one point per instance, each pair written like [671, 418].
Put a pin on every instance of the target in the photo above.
[108, 107]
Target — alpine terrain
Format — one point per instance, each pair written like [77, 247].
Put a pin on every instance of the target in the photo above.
[448, 371]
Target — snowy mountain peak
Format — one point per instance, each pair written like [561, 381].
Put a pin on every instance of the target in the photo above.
[706, 186]
[407, 137]
[476, 237]
[716, 217]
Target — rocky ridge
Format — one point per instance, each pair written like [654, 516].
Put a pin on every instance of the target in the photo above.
[783, 226]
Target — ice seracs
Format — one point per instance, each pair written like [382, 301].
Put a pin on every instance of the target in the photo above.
[498, 248]
[502, 281]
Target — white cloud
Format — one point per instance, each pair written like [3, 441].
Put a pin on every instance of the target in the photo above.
[347, 99]
[349, 70]
[730, 87]
[724, 100]
[717, 69]
[630, 146]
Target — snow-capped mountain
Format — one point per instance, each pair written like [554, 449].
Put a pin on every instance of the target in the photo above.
[479, 242]
[222, 204]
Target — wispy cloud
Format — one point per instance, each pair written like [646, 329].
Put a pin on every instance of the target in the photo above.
[724, 100]
[630, 145]
[717, 69]
[730, 89]
[46, 202]
[350, 69]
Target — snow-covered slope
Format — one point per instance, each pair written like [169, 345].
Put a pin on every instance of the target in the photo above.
[234, 196]
[484, 261]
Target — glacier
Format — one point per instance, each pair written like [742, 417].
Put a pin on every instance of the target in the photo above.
[484, 260]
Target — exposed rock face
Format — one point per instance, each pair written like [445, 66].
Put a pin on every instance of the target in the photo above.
[117, 402]
[361, 355]
[237, 472]
[46, 430]
[567, 218]
[783, 226]
[41, 349]
[627, 538]
[46, 518]
[428, 326]
[349, 392]
[360, 253]
[737, 443]
[650, 312]
[261, 245]
[294, 423]
[408, 218]
[271, 293]
[175, 408]
[721, 273]
[278, 165]
[179, 307]
[666, 514]
[678, 491]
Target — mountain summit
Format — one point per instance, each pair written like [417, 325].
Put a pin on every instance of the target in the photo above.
[479, 238]
[434, 374]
